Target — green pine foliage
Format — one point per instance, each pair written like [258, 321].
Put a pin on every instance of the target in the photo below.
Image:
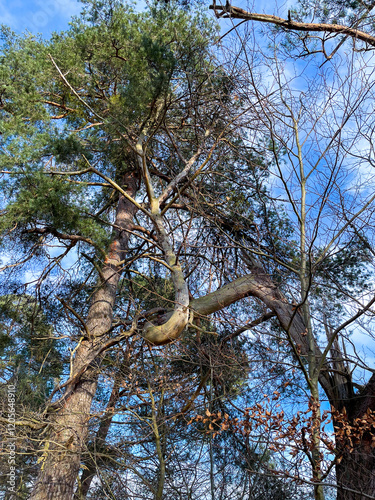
[31, 360]
[122, 64]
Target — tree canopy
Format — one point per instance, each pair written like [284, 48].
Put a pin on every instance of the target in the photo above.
[187, 254]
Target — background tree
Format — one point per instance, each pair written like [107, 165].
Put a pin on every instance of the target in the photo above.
[31, 362]
[320, 138]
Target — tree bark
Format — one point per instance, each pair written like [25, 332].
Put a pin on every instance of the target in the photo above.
[61, 459]
[355, 468]
[355, 474]
[63, 448]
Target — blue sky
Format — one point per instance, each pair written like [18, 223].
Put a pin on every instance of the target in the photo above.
[38, 16]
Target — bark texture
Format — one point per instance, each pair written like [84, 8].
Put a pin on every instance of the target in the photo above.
[355, 473]
[355, 470]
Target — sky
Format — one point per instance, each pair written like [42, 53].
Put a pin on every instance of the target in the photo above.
[46, 16]
[38, 16]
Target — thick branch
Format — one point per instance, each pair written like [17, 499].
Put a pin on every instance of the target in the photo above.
[289, 24]
[172, 328]
[258, 284]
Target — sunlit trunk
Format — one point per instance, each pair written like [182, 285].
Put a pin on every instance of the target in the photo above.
[61, 459]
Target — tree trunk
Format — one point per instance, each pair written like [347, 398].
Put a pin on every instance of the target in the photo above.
[355, 474]
[63, 448]
[159, 432]
[355, 442]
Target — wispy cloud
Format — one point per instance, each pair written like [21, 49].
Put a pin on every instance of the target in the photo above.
[7, 17]
[39, 16]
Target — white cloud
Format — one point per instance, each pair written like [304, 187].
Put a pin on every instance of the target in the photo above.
[7, 17]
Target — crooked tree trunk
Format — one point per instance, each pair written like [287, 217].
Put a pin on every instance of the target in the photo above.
[63, 448]
[61, 460]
